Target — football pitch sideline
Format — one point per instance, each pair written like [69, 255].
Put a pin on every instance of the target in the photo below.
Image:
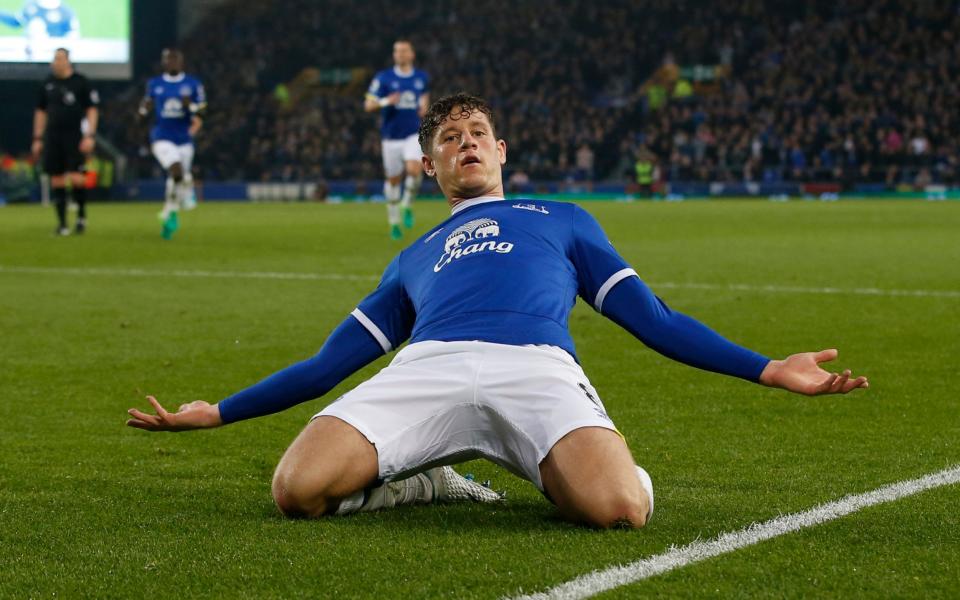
[91, 324]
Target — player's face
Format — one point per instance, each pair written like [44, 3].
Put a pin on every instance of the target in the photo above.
[466, 157]
[61, 64]
[403, 54]
[171, 61]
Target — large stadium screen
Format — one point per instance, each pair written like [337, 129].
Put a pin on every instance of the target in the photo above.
[97, 33]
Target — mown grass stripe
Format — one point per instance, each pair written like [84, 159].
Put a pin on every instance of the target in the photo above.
[286, 275]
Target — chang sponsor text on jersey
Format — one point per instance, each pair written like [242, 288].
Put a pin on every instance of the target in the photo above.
[476, 232]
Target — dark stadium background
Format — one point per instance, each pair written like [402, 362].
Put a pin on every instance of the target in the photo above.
[758, 98]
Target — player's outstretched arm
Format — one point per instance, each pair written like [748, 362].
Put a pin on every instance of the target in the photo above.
[195, 415]
[349, 348]
[615, 290]
[634, 307]
[801, 373]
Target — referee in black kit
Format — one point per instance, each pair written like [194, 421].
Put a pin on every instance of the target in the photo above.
[65, 99]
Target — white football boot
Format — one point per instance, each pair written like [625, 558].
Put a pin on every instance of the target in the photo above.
[440, 484]
[450, 486]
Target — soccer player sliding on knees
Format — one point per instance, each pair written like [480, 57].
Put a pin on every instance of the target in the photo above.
[490, 370]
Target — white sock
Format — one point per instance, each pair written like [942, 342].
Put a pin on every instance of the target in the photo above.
[189, 201]
[411, 185]
[392, 193]
[183, 190]
[412, 490]
[351, 504]
[647, 484]
[170, 199]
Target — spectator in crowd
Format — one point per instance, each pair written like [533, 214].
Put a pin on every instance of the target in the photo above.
[827, 90]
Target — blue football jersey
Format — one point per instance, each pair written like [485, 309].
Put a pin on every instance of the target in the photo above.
[400, 120]
[172, 111]
[501, 271]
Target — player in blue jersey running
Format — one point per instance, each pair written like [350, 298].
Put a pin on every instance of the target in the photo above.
[490, 370]
[402, 95]
[178, 101]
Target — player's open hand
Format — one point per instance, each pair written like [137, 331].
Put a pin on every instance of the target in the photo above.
[801, 373]
[195, 415]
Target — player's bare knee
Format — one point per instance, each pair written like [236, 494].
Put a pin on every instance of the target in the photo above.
[176, 172]
[619, 511]
[281, 497]
[622, 518]
[285, 503]
[395, 180]
[295, 499]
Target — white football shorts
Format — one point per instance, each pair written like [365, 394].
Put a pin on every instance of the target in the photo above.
[441, 403]
[168, 154]
[395, 152]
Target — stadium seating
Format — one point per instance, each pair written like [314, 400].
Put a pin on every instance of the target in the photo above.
[842, 91]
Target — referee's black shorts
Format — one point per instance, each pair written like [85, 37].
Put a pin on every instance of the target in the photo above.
[61, 153]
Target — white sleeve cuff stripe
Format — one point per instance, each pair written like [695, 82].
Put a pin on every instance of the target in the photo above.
[373, 329]
[609, 283]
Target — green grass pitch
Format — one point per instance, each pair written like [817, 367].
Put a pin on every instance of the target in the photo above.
[90, 508]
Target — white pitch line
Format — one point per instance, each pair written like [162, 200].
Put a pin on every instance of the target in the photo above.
[281, 275]
[675, 558]
[795, 289]
[188, 274]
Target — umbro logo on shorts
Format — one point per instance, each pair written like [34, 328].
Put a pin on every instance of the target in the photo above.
[583, 387]
[597, 406]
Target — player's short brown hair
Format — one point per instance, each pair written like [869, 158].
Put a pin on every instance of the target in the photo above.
[440, 110]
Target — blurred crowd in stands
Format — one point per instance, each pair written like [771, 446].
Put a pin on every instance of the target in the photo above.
[839, 90]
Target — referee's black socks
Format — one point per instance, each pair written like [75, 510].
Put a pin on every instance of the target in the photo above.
[60, 201]
[80, 197]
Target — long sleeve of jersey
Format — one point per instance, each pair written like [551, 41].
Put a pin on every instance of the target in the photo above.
[615, 290]
[633, 306]
[349, 348]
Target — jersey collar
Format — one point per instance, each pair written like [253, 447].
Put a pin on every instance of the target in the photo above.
[475, 201]
[174, 78]
[399, 73]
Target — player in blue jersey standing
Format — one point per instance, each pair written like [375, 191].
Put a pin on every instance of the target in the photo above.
[402, 95]
[490, 369]
[178, 101]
